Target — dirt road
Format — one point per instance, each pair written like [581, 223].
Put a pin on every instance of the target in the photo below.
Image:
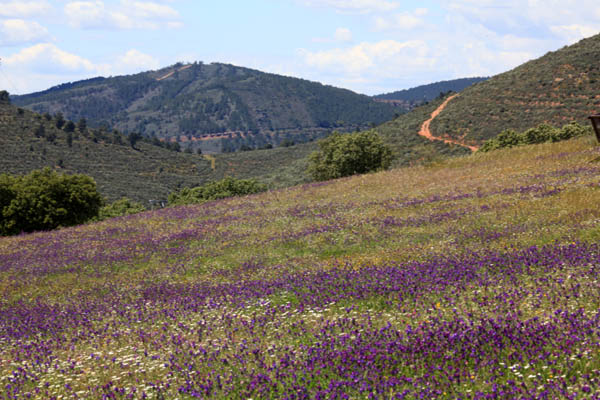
[425, 132]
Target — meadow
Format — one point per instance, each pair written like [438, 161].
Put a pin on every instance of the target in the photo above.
[469, 278]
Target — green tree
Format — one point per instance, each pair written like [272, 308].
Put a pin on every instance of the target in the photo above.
[40, 131]
[349, 154]
[133, 139]
[60, 120]
[4, 97]
[117, 137]
[69, 126]
[82, 125]
[44, 200]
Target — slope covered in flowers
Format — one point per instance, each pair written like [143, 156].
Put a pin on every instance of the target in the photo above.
[474, 278]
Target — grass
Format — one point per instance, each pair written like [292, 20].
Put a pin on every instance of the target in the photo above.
[467, 277]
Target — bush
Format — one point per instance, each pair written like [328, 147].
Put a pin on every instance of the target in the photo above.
[349, 154]
[540, 134]
[120, 208]
[44, 200]
[570, 131]
[507, 138]
[228, 187]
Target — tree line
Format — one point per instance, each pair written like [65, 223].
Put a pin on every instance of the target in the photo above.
[45, 199]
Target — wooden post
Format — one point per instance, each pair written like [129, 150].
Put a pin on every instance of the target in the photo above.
[596, 124]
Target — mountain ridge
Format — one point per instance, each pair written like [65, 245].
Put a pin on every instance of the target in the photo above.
[412, 97]
[226, 106]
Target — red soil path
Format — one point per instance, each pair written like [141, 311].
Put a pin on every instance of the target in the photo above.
[425, 132]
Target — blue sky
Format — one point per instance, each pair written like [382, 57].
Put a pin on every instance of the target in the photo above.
[369, 46]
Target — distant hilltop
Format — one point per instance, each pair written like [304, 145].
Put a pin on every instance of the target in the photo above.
[410, 98]
[207, 100]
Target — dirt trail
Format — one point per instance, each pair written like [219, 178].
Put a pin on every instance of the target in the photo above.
[425, 132]
[172, 72]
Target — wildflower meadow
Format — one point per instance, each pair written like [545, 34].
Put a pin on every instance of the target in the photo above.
[472, 278]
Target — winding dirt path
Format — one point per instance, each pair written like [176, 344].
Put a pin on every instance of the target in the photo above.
[425, 132]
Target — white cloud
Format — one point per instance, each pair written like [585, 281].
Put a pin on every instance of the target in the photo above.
[126, 15]
[23, 9]
[149, 10]
[533, 17]
[89, 14]
[43, 65]
[355, 6]
[380, 57]
[46, 57]
[402, 21]
[343, 35]
[135, 61]
[17, 32]
[574, 32]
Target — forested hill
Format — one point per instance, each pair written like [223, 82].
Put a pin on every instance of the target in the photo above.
[212, 106]
[425, 93]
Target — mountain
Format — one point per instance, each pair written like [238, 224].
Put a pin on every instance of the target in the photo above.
[560, 87]
[215, 107]
[409, 98]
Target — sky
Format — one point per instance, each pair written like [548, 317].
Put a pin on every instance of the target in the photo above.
[368, 46]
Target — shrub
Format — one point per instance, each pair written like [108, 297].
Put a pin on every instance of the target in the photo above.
[540, 134]
[507, 138]
[120, 208]
[228, 187]
[349, 154]
[570, 131]
[44, 200]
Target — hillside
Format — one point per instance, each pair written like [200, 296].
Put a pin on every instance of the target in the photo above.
[560, 87]
[476, 277]
[215, 107]
[31, 141]
[410, 98]
[151, 172]
[401, 134]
